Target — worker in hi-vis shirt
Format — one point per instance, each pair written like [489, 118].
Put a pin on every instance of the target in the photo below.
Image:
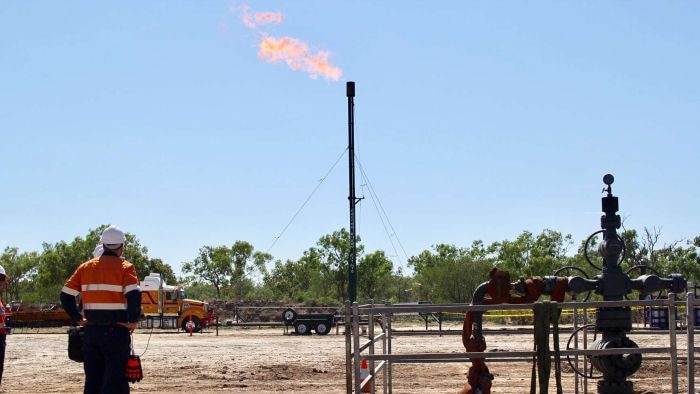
[111, 306]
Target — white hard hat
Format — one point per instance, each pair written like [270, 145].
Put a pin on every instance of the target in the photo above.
[98, 251]
[112, 236]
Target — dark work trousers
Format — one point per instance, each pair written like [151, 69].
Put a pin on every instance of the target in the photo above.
[105, 353]
[2, 354]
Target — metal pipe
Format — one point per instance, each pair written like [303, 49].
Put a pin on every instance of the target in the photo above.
[478, 299]
[352, 263]
[348, 348]
[387, 330]
[673, 342]
[390, 365]
[356, 344]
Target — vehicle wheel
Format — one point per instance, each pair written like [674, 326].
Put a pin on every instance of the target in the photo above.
[301, 328]
[195, 323]
[289, 315]
[323, 328]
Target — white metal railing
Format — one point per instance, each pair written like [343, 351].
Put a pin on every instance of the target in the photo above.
[377, 350]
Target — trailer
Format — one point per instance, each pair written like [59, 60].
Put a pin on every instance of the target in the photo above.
[304, 323]
[22, 315]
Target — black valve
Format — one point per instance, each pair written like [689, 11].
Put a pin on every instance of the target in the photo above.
[610, 220]
[678, 283]
[614, 285]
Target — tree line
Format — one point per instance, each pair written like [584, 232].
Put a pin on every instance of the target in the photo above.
[444, 273]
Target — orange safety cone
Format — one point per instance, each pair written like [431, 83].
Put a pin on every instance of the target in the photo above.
[364, 373]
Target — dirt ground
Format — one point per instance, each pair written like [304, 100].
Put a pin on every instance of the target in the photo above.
[266, 360]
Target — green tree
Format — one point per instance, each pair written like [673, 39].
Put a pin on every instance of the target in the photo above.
[230, 270]
[579, 261]
[212, 266]
[549, 253]
[682, 259]
[137, 254]
[529, 256]
[247, 264]
[334, 253]
[20, 269]
[293, 281]
[635, 253]
[514, 256]
[402, 287]
[57, 262]
[321, 288]
[642, 250]
[451, 274]
[158, 266]
[374, 274]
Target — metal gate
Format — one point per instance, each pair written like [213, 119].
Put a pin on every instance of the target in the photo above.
[376, 348]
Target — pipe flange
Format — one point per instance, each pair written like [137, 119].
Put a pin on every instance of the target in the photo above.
[611, 387]
[618, 366]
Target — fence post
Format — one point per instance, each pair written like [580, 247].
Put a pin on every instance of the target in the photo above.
[370, 334]
[348, 349]
[690, 327]
[672, 335]
[356, 344]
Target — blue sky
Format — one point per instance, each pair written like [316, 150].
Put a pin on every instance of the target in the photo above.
[474, 120]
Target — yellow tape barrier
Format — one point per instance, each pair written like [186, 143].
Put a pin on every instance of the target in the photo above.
[523, 313]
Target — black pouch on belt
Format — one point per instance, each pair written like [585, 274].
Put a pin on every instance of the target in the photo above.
[75, 343]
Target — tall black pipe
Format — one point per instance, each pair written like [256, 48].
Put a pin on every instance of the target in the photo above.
[352, 258]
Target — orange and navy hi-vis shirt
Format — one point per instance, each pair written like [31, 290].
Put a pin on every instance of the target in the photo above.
[109, 290]
[3, 319]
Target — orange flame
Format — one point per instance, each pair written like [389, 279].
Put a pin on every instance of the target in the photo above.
[269, 17]
[252, 20]
[292, 51]
[296, 54]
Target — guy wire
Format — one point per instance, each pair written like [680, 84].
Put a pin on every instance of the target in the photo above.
[320, 181]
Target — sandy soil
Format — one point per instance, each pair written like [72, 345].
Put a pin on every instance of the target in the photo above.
[265, 360]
